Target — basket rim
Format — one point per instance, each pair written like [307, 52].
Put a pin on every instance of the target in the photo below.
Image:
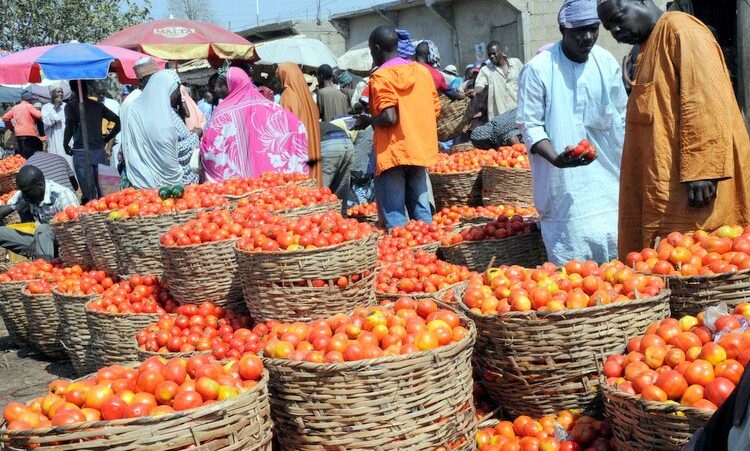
[308, 251]
[195, 245]
[563, 314]
[448, 174]
[420, 295]
[132, 219]
[141, 421]
[114, 314]
[31, 295]
[55, 291]
[469, 242]
[700, 278]
[503, 168]
[305, 207]
[175, 355]
[24, 282]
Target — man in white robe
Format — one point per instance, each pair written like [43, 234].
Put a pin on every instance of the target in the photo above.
[53, 117]
[570, 92]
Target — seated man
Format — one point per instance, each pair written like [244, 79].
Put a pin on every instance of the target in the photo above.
[54, 167]
[44, 199]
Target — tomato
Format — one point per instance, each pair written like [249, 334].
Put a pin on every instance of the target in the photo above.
[673, 384]
[185, 400]
[699, 372]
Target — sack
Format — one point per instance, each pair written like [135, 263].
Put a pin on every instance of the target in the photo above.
[109, 179]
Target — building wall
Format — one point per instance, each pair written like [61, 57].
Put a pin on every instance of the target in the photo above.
[324, 32]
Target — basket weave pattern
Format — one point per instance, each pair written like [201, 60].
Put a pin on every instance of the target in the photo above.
[100, 241]
[535, 364]
[71, 241]
[638, 424]
[14, 312]
[506, 186]
[414, 401]
[462, 188]
[112, 336]
[691, 295]
[44, 324]
[74, 330]
[453, 117]
[240, 423]
[203, 272]
[523, 250]
[8, 182]
[314, 209]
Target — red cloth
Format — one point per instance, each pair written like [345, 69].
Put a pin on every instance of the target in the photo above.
[440, 84]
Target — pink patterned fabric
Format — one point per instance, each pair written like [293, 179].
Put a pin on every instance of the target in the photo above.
[249, 135]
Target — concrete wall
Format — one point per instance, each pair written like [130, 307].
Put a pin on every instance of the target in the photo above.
[324, 32]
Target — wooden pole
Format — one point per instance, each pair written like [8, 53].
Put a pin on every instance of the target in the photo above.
[743, 56]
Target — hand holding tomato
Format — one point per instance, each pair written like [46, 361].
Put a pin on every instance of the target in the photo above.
[581, 155]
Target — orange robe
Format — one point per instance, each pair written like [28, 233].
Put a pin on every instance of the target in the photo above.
[683, 124]
[412, 141]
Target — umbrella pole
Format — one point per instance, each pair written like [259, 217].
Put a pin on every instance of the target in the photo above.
[85, 135]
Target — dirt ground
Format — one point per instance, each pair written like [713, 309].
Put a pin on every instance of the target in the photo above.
[24, 374]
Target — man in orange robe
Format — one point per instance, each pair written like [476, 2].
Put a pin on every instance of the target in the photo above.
[686, 156]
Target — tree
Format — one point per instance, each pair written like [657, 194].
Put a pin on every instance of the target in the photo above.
[29, 23]
[199, 10]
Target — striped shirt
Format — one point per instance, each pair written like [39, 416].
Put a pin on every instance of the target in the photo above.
[54, 167]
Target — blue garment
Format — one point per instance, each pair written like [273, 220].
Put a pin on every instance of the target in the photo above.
[89, 191]
[578, 13]
[566, 102]
[206, 108]
[399, 187]
[456, 83]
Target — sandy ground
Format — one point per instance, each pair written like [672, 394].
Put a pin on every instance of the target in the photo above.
[25, 374]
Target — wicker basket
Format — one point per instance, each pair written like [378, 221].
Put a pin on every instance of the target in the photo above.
[454, 115]
[523, 250]
[447, 294]
[463, 147]
[112, 336]
[8, 182]
[408, 402]
[314, 209]
[100, 242]
[537, 364]
[71, 242]
[143, 354]
[12, 218]
[461, 188]
[312, 182]
[430, 248]
[506, 186]
[638, 424]
[241, 423]
[691, 295]
[203, 272]
[268, 280]
[137, 240]
[14, 312]
[44, 324]
[371, 219]
[74, 330]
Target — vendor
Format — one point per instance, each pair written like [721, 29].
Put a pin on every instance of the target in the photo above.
[44, 199]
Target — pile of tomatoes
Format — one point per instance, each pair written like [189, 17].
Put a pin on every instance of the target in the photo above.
[471, 160]
[216, 225]
[11, 163]
[157, 387]
[37, 269]
[138, 294]
[511, 157]
[453, 215]
[685, 361]
[243, 186]
[4, 198]
[306, 232]
[547, 289]
[365, 209]
[205, 328]
[414, 233]
[727, 249]
[403, 327]
[423, 273]
[149, 202]
[288, 197]
[568, 431]
[501, 228]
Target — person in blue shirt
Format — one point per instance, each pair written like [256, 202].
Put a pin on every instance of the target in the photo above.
[206, 104]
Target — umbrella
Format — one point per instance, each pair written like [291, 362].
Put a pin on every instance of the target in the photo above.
[71, 61]
[10, 94]
[304, 51]
[182, 40]
[357, 59]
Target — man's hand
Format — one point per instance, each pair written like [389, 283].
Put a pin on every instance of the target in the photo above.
[363, 121]
[68, 150]
[701, 192]
[198, 131]
[566, 160]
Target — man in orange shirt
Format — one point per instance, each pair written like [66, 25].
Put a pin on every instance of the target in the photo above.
[404, 106]
[22, 119]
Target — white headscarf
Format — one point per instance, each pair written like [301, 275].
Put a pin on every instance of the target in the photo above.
[150, 137]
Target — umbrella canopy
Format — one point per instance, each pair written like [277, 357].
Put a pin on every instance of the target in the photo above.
[357, 59]
[9, 94]
[305, 51]
[69, 61]
[183, 40]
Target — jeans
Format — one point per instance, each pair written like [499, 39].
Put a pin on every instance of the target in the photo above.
[402, 190]
[89, 190]
[337, 165]
[39, 245]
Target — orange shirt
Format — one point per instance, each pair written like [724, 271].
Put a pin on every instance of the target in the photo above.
[412, 141]
[23, 116]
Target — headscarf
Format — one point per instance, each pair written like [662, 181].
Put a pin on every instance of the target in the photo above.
[54, 86]
[296, 98]
[345, 78]
[406, 48]
[150, 137]
[578, 13]
[249, 135]
[433, 57]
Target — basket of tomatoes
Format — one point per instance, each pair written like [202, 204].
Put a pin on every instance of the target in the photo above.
[456, 178]
[179, 404]
[374, 379]
[293, 201]
[366, 212]
[44, 327]
[70, 236]
[504, 241]
[507, 179]
[544, 330]
[701, 269]
[307, 268]
[9, 167]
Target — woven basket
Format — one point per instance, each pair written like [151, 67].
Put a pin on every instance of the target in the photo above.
[416, 401]
[100, 242]
[314, 209]
[430, 248]
[447, 294]
[203, 272]
[462, 188]
[371, 219]
[312, 182]
[506, 186]
[691, 295]
[44, 324]
[454, 115]
[463, 147]
[241, 423]
[12, 218]
[143, 354]
[71, 242]
[268, 280]
[14, 312]
[523, 250]
[638, 424]
[138, 238]
[112, 336]
[74, 330]
[8, 182]
[537, 364]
